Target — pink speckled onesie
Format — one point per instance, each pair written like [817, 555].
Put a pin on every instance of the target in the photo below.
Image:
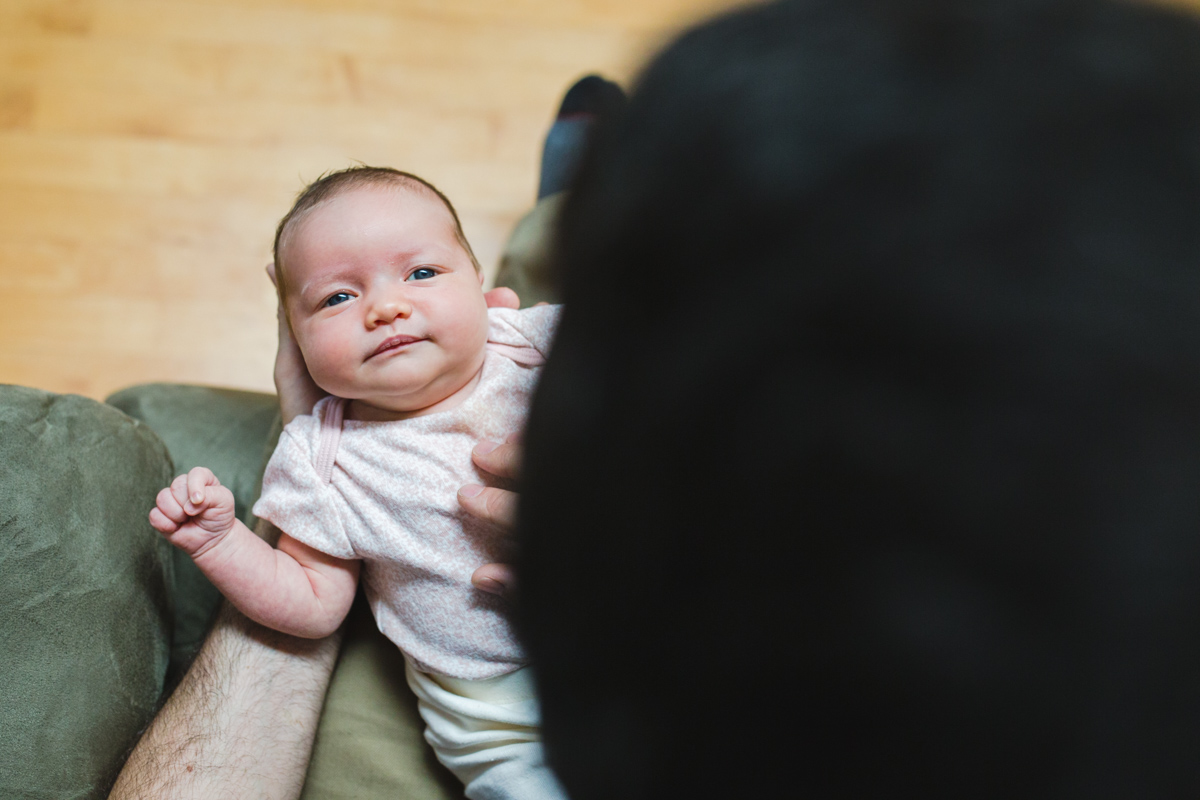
[386, 493]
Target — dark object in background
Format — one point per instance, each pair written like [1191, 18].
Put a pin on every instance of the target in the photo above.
[866, 461]
[588, 101]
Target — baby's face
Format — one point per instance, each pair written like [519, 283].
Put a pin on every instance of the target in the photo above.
[386, 305]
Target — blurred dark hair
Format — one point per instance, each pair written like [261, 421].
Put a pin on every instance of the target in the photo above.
[867, 461]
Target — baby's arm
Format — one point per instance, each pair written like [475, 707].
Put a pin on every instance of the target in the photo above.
[294, 589]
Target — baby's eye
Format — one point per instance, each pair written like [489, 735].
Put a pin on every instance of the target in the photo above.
[422, 274]
[340, 297]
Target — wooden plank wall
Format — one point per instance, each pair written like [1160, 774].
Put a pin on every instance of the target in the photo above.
[148, 147]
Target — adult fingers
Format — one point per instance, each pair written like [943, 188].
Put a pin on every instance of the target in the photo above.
[502, 297]
[498, 506]
[501, 460]
[494, 579]
[297, 391]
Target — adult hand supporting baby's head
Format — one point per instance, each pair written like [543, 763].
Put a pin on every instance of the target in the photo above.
[502, 297]
[297, 391]
[494, 505]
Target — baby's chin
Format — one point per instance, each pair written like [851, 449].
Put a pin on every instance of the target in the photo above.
[442, 396]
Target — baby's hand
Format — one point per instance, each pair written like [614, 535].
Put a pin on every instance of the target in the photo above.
[194, 512]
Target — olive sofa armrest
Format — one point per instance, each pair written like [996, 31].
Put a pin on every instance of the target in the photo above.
[85, 601]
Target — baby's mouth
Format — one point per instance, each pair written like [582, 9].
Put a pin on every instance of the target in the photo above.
[395, 343]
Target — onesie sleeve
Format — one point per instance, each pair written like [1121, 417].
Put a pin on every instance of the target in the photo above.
[295, 498]
[528, 328]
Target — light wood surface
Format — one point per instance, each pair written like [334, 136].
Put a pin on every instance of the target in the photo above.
[148, 147]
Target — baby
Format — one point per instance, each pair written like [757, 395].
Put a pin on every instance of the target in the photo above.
[385, 300]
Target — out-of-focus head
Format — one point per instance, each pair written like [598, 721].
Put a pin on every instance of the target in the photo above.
[381, 291]
[867, 454]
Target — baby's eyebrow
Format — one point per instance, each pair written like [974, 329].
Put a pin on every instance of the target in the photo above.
[321, 281]
[420, 252]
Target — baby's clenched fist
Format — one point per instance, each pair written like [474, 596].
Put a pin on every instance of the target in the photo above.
[194, 512]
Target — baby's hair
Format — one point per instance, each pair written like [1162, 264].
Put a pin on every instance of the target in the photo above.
[331, 184]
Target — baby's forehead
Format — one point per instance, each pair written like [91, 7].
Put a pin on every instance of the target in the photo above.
[412, 193]
[416, 197]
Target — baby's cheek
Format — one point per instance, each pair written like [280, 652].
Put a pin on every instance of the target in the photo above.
[325, 379]
[472, 335]
[462, 322]
[326, 367]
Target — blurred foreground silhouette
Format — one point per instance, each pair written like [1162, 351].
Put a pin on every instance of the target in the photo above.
[867, 460]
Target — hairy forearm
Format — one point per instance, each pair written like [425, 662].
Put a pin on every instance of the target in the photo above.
[272, 588]
[242, 721]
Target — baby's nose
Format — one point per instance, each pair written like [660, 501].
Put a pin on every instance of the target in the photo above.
[388, 310]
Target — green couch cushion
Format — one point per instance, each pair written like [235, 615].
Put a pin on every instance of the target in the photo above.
[230, 432]
[226, 430]
[85, 611]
